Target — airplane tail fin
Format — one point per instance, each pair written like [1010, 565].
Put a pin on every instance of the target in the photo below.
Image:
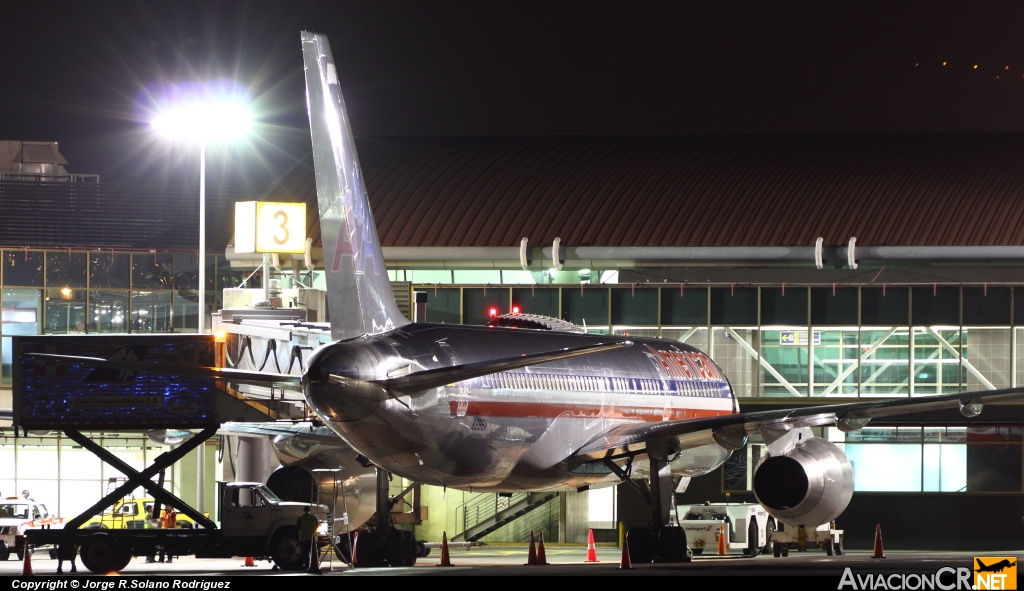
[359, 296]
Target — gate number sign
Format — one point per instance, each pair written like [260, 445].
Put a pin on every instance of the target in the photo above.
[264, 226]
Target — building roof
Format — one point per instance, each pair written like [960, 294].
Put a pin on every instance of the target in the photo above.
[951, 190]
[689, 191]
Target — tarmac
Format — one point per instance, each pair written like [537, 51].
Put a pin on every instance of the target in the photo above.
[558, 560]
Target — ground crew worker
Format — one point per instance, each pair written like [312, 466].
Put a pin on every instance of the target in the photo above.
[307, 524]
[168, 520]
[151, 522]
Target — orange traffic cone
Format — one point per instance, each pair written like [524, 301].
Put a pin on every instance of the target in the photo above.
[27, 567]
[878, 553]
[355, 542]
[446, 560]
[723, 548]
[591, 549]
[532, 559]
[249, 561]
[541, 555]
[625, 564]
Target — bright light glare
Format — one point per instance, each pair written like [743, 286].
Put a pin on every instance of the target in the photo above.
[205, 122]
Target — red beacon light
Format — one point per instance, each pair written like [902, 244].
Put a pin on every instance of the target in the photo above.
[492, 312]
[515, 309]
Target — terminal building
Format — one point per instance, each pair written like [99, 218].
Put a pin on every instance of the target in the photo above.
[813, 269]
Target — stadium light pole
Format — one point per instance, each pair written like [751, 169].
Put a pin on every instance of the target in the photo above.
[203, 120]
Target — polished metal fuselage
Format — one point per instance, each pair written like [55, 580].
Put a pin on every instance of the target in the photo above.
[512, 430]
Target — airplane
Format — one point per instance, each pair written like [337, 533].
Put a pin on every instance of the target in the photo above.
[526, 404]
[994, 568]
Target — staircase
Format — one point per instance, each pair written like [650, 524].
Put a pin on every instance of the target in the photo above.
[487, 513]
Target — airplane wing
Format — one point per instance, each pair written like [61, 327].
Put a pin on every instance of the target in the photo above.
[307, 430]
[255, 378]
[432, 378]
[731, 430]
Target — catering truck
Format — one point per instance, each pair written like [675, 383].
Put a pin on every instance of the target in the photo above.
[254, 522]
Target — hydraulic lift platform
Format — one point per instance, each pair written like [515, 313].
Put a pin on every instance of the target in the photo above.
[61, 390]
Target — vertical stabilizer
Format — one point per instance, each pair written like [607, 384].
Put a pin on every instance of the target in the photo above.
[359, 297]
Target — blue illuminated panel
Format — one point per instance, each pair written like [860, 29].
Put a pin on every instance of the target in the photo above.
[67, 394]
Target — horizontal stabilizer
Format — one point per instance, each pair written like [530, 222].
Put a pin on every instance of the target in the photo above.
[255, 378]
[433, 378]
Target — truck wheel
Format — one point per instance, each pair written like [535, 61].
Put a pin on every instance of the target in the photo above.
[285, 549]
[776, 550]
[102, 554]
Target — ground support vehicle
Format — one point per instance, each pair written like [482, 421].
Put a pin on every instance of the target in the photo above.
[746, 526]
[254, 522]
[130, 513]
[800, 538]
[18, 514]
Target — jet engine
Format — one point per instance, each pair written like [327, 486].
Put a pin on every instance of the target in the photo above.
[809, 484]
[328, 475]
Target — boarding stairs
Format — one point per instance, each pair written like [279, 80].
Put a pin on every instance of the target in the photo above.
[488, 513]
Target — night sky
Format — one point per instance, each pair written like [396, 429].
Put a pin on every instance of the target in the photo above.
[83, 73]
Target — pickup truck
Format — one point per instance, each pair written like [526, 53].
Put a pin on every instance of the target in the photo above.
[130, 513]
[18, 514]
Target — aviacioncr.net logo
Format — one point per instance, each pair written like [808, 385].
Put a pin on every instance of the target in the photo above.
[947, 578]
[995, 572]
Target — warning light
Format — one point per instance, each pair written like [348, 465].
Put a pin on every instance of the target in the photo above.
[515, 309]
[492, 312]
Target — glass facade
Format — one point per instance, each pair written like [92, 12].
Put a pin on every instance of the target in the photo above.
[868, 341]
[101, 291]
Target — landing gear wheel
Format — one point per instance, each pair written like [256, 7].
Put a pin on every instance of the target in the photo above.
[400, 548]
[828, 548]
[286, 551]
[769, 532]
[839, 547]
[672, 545]
[369, 549]
[102, 554]
[640, 542]
[341, 549]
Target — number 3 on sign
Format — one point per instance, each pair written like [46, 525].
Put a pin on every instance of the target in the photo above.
[280, 227]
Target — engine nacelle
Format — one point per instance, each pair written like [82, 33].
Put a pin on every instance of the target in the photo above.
[809, 485]
[334, 474]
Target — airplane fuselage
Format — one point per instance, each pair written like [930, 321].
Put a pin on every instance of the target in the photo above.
[516, 429]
